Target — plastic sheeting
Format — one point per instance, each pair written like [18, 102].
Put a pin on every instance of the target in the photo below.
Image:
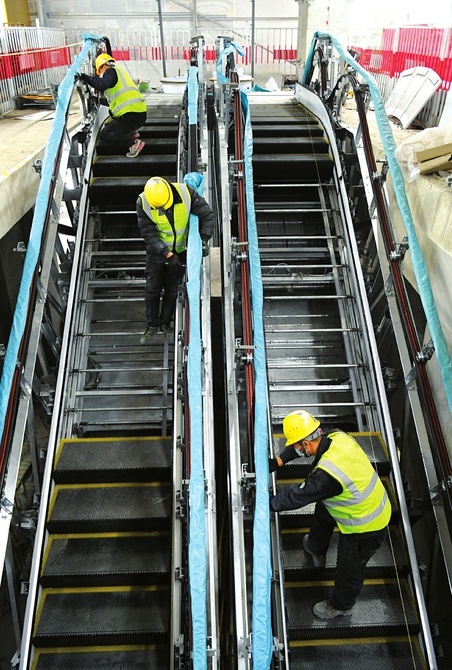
[226, 51]
[34, 243]
[262, 572]
[197, 544]
[419, 267]
[192, 86]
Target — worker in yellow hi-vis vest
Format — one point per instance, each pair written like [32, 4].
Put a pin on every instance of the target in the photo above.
[348, 493]
[126, 105]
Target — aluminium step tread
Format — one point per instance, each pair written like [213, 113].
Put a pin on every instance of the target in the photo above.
[113, 460]
[109, 658]
[120, 164]
[371, 442]
[120, 615]
[302, 517]
[286, 130]
[106, 560]
[123, 191]
[109, 507]
[312, 167]
[308, 145]
[373, 653]
[384, 607]
[391, 558]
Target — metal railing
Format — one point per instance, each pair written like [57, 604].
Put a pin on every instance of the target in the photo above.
[32, 60]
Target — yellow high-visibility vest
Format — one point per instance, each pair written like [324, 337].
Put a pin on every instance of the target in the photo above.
[363, 504]
[124, 96]
[168, 235]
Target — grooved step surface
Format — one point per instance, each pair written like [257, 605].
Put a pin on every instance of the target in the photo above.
[302, 517]
[389, 560]
[113, 460]
[106, 508]
[378, 611]
[150, 658]
[107, 560]
[123, 191]
[371, 443]
[137, 616]
[307, 145]
[162, 157]
[285, 130]
[371, 654]
[318, 167]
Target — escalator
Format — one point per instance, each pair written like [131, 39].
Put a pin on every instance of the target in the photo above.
[109, 587]
[126, 571]
[320, 357]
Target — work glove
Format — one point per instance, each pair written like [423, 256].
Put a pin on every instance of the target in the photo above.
[272, 465]
[173, 261]
[288, 454]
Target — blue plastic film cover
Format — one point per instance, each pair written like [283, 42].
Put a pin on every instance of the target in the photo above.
[197, 544]
[419, 266]
[192, 85]
[262, 573]
[63, 101]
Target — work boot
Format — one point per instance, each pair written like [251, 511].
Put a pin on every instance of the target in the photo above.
[148, 333]
[325, 610]
[319, 560]
[167, 330]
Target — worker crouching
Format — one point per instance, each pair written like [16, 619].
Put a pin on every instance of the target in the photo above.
[347, 492]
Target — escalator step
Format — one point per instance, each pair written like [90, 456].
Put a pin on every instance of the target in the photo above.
[119, 164]
[109, 658]
[318, 167]
[371, 442]
[276, 145]
[113, 460]
[288, 112]
[102, 617]
[366, 654]
[302, 518]
[107, 560]
[378, 611]
[124, 191]
[286, 130]
[298, 566]
[107, 508]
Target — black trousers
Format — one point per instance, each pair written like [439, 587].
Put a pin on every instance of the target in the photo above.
[162, 277]
[353, 553]
[118, 131]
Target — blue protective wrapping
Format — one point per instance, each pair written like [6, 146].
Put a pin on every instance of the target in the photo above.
[418, 262]
[197, 544]
[63, 101]
[192, 86]
[262, 572]
[226, 51]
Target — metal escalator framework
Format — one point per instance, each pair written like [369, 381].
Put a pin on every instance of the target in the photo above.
[109, 576]
[321, 355]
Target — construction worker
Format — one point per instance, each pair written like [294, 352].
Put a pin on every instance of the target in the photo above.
[127, 106]
[347, 492]
[163, 211]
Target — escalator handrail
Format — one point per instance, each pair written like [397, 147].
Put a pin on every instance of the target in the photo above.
[197, 543]
[262, 570]
[419, 266]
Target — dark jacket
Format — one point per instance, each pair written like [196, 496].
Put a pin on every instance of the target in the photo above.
[149, 230]
[108, 80]
[318, 485]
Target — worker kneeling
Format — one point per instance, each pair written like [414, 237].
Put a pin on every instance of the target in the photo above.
[347, 492]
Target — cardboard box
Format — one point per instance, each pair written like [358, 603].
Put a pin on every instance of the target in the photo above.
[435, 164]
[433, 152]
